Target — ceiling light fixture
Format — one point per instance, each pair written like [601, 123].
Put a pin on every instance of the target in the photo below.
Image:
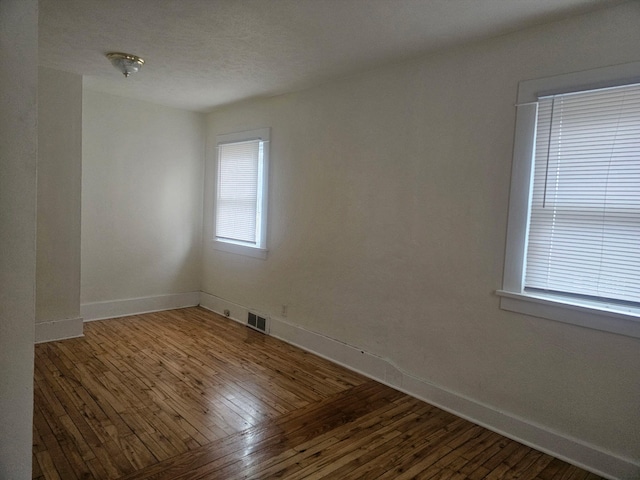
[125, 62]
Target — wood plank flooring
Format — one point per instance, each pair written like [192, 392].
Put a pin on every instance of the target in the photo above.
[188, 394]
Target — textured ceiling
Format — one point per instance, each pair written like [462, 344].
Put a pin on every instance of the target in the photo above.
[201, 54]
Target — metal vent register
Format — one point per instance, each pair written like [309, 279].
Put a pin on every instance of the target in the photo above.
[257, 322]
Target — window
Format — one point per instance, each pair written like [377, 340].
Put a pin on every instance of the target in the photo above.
[573, 242]
[241, 192]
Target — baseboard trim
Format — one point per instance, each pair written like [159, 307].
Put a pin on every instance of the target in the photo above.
[574, 451]
[58, 330]
[135, 306]
[237, 313]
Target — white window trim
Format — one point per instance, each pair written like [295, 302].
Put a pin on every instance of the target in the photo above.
[597, 315]
[231, 246]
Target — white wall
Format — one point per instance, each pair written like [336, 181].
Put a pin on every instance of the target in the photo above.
[59, 190]
[142, 178]
[18, 149]
[389, 196]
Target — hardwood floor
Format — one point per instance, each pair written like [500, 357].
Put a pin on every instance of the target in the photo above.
[187, 394]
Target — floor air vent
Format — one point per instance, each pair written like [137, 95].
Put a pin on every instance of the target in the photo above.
[258, 323]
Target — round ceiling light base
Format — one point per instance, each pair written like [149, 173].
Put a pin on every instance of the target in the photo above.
[125, 62]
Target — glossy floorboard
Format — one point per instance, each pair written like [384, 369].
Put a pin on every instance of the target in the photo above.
[187, 394]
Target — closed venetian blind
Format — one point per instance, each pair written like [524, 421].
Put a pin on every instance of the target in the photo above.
[238, 191]
[584, 230]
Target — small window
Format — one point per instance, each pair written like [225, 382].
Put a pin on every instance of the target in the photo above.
[573, 242]
[241, 192]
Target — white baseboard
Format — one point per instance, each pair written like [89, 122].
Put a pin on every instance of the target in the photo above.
[135, 306]
[236, 312]
[218, 305]
[571, 450]
[58, 330]
[574, 451]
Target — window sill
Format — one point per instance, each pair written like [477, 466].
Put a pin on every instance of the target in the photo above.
[240, 249]
[599, 316]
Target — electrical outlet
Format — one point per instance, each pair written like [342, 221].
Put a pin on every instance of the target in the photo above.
[227, 312]
[283, 311]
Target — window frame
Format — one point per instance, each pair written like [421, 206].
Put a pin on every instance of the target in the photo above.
[227, 245]
[614, 318]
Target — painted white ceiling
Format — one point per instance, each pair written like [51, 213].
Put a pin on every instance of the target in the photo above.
[201, 54]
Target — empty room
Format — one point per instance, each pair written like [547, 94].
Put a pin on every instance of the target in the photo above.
[304, 239]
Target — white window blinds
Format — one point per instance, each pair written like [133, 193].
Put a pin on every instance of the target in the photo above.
[239, 195]
[584, 230]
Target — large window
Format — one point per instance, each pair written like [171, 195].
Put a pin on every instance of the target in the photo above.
[573, 250]
[241, 192]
